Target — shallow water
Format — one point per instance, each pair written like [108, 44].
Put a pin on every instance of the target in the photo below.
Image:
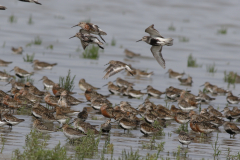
[199, 21]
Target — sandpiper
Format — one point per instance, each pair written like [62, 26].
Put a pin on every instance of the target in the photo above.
[106, 110]
[150, 117]
[2, 7]
[91, 28]
[163, 113]
[206, 127]
[204, 97]
[182, 118]
[15, 84]
[43, 65]
[118, 114]
[63, 102]
[127, 124]
[51, 100]
[184, 138]
[123, 83]
[85, 127]
[147, 129]
[39, 126]
[47, 82]
[71, 133]
[126, 107]
[48, 117]
[4, 63]
[31, 97]
[60, 117]
[5, 76]
[11, 120]
[188, 81]
[112, 88]
[83, 85]
[31, 1]
[83, 115]
[130, 54]
[134, 93]
[97, 102]
[87, 39]
[216, 121]
[18, 50]
[143, 73]
[231, 115]
[205, 113]
[173, 74]
[153, 92]
[219, 91]
[185, 106]
[171, 94]
[231, 128]
[214, 112]
[34, 90]
[21, 73]
[13, 91]
[22, 99]
[90, 94]
[11, 103]
[175, 110]
[231, 99]
[2, 122]
[115, 67]
[106, 127]
[57, 90]
[208, 86]
[157, 42]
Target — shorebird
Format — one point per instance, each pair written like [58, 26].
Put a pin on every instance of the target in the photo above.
[33, 90]
[184, 138]
[83, 85]
[143, 73]
[51, 100]
[147, 129]
[157, 41]
[15, 84]
[130, 54]
[91, 28]
[188, 81]
[87, 39]
[208, 86]
[97, 102]
[182, 118]
[112, 88]
[127, 124]
[21, 73]
[153, 92]
[115, 67]
[71, 133]
[4, 63]
[11, 120]
[43, 65]
[83, 115]
[206, 127]
[39, 126]
[231, 99]
[204, 97]
[60, 117]
[134, 93]
[5, 76]
[123, 83]
[47, 82]
[2, 7]
[18, 50]
[126, 107]
[173, 74]
[231, 128]
[106, 127]
[57, 90]
[31, 1]
[219, 91]
[231, 115]
[185, 106]
[214, 112]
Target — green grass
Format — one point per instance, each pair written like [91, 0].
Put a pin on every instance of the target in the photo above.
[4, 44]
[215, 147]
[171, 28]
[26, 79]
[91, 52]
[223, 30]
[131, 155]
[67, 82]
[192, 62]
[3, 140]
[50, 47]
[35, 149]
[29, 58]
[183, 39]
[211, 68]
[182, 127]
[152, 145]
[37, 41]
[12, 19]
[230, 78]
[30, 22]
[113, 42]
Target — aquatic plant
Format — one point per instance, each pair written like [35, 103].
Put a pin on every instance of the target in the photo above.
[24, 110]
[3, 140]
[183, 39]
[35, 148]
[192, 62]
[215, 147]
[171, 28]
[152, 145]
[211, 68]
[50, 47]
[180, 155]
[26, 79]
[4, 44]
[91, 52]
[230, 78]
[30, 22]
[12, 19]
[113, 42]
[129, 155]
[223, 30]
[37, 41]
[29, 58]
[182, 127]
[67, 82]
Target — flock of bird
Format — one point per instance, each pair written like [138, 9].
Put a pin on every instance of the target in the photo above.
[124, 114]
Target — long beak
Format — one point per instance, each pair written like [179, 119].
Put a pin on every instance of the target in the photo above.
[114, 81]
[106, 64]
[166, 72]
[40, 80]
[11, 70]
[74, 26]
[222, 111]
[145, 89]
[139, 40]
[104, 85]
[7, 83]
[202, 85]
[72, 37]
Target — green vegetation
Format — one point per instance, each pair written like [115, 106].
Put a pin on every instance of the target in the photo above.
[91, 52]
[50, 47]
[171, 28]
[230, 78]
[223, 30]
[37, 41]
[215, 147]
[211, 68]
[26, 79]
[183, 39]
[182, 127]
[129, 155]
[30, 22]
[192, 62]
[67, 82]
[29, 58]
[4, 44]
[113, 42]
[3, 140]
[152, 145]
[12, 19]
[35, 149]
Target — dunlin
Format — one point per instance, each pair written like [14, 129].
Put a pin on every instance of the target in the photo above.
[48, 117]
[39, 126]
[83, 115]
[171, 94]
[123, 83]
[90, 94]
[127, 124]
[173, 74]
[118, 114]
[11, 103]
[47, 82]
[219, 91]
[184, 138]
[13, 91]
[134, 93]
[18, 50]
[43, 65]
[235, 109]
[231, 128]
[22, 99]
[106, 110]
[11, 120]
[34, 90]
[83, 85]
[2, 122]
[21, 73]
[85, 127]
[4, 63]
[63, 102]
[147, 129]
[91, 28]
[188, 81]
[214, 112]
[231, 115]
[153, 92]
[5, 76]
[57, 90]
[216, 121]
[51, 100]
[163, 114]
[150, 117]
[97, 102]
[126, 107]
[71, 133]
[130, 54]
[115, 67]
[205, 113]
[87, 39]
[206, 127]
[31, 1]
[157, 42]
[60, 117]
[31, 97]
[175, 110]
[15, 84]
[204, 97]
[106, 126]
[181, 118]
[2, 7]
[208, 86]
[231, 99]
[143, 73]
[113, 88]
[185, 106]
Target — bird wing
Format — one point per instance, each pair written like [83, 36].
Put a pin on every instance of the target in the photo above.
[84, 44]
[156, 51]
[153, 32]
[112, 71]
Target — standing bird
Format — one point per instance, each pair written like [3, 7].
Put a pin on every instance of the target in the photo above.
[115, 67]
[157, 41]
[86, 39]
[43, 65]
[2, 7]
[21, 73]
[184, 138]
[18, 50]
[91, 28]
[31, 1]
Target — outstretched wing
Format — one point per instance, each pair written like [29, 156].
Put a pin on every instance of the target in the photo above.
[156, 51]
[84, 44]
[153, 32]
[112, 71]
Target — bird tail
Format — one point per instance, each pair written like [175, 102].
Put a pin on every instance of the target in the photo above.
[102, 32]
[168, 41]
[54, 64]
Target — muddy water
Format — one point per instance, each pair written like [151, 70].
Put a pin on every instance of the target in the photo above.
[126, 21]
